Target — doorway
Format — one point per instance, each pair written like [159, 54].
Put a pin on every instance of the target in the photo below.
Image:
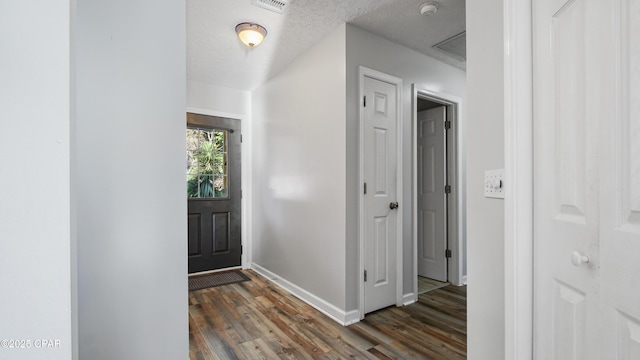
[438, 209]
[214, 194]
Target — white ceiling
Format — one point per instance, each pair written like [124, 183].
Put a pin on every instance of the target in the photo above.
[216, 56]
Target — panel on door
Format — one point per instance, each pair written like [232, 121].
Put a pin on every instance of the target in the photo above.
[565, 211]
[432, 201]
[620, 186]
[213, 190]
[586, 179]
[380, 168]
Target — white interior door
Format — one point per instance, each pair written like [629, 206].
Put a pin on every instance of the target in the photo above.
[587, 179]
[380, 198]
[620, 180]
[432, 200]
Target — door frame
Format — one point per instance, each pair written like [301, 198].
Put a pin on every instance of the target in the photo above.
[455, 169]
[397, 82]
[518, 160]
[245, 178]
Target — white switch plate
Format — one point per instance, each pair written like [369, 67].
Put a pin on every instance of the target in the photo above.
[494, 183]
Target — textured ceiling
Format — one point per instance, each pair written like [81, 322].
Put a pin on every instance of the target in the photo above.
[216, 56]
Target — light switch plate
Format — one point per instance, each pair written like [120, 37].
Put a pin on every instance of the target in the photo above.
[494, 183]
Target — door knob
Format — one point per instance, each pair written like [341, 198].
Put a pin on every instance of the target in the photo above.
[393, 205]
[578, 259]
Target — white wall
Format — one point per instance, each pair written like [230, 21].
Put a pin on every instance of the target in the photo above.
[219, 99]
[372, 51]
[129, 179]
[485, 151]
[299, 171]
[35, 97]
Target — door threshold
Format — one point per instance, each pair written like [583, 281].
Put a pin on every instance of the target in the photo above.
[215, 271]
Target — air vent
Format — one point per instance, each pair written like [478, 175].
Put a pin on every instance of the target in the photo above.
[455, 46]
[273, 5]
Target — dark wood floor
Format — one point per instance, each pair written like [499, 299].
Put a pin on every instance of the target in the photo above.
[258, 320]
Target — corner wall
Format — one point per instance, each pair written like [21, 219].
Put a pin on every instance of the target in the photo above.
[298, 157]
[35, 121]
[128, 176]
[374, 52]
[485, 151]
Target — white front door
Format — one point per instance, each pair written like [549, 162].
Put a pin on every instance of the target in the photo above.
[432, 200]
[586, 179]
[380, 197]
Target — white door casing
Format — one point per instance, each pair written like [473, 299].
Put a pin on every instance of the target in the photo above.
[380, 170]
[518, 130]
[432, 201]
[456, 199]
[587, 180]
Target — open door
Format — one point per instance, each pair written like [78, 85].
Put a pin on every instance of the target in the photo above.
[432, 197]
[213, 191]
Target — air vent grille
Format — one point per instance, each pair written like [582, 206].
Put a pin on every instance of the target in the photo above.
[455, 46]
[273, 5]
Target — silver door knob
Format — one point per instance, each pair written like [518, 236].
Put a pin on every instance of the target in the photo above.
[393, 205]
[578, 259]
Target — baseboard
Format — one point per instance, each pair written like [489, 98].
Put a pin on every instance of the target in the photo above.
[335, 313]
[459, 281]
[408, 299]
[351, 317]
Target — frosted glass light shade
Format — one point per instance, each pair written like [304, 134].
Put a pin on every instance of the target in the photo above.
[251, 34]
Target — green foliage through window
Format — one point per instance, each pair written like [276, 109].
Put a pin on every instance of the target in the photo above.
[206, 163]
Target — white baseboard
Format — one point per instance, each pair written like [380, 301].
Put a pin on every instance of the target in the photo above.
[351, 317]
[408, 299]
[335, 313]
[459, 281]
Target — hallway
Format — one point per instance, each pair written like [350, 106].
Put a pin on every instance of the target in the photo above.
[257, 319]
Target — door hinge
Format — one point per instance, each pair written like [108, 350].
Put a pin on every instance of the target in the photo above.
[447, 253]
[240, 137]
[364, 101]
[447, 189]
[447, 124]
[241, 250]
[365, 275]
[365, 188]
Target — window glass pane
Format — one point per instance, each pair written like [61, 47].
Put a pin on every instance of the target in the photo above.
[192, 140]
[205, 158]
[206, 186]
[207, 163]
[220, 186]
[192, 179]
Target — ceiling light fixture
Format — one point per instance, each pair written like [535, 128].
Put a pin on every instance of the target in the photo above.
[428, 8]
[251, 34]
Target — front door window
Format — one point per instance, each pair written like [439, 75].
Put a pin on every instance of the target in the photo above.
[207, 173]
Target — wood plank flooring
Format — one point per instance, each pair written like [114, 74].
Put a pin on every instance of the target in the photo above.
[258, 320]
[425, 284]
